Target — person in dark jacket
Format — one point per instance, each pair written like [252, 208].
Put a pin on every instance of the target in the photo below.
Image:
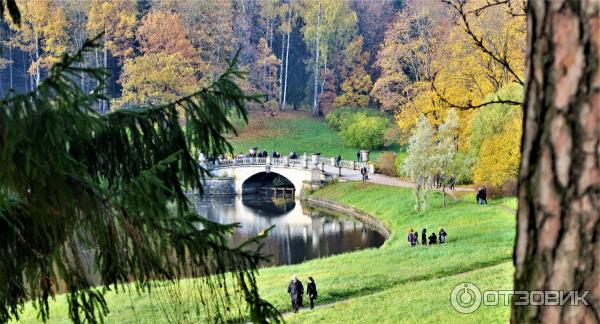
[452, 181]
[442, 236]
[311, 291]
[338, 161]
[357, 156]
[484, 195]
[432, 239]
[424, 237]
[296, 290]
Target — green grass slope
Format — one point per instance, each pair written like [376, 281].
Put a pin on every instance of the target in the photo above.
[294, 130]
[389, 284]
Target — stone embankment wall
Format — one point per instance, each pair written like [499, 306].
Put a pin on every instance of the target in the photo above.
[365, 218]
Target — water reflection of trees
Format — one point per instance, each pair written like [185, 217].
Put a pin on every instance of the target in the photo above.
[300, 233]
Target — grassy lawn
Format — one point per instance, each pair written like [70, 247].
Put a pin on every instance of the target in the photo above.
[294, 130]
[395, 283]
[423, 301]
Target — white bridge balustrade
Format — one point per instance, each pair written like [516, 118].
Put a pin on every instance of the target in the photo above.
[298, 171]
[285, 162]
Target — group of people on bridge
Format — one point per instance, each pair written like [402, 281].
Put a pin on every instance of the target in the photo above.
[413, 237]
[263, 154]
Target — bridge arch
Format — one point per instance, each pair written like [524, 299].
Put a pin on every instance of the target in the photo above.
[239, 175]
[262, 180]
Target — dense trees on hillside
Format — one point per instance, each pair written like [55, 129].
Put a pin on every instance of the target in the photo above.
[409, 58]
[279, 42]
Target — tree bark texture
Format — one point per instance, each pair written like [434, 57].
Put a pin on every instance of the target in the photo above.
[558, 219]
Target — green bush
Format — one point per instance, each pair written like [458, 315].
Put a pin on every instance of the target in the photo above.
[340, 116]
[398, 164]
[364, 132]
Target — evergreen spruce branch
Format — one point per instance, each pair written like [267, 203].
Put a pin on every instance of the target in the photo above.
[73, 180]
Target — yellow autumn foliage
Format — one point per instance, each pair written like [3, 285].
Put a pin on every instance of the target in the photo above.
[442, 53]
[500, 155]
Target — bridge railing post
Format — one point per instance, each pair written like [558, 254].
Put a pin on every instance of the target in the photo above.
[353, 165]
[268, 160]
[286, 161]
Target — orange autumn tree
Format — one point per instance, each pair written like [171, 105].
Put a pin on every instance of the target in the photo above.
[164, 32]
[166, 70]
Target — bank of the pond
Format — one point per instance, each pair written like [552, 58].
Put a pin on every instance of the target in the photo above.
[393, 282]
[348, 210]
[479, 237]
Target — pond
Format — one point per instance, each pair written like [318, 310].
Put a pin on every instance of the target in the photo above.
[300, 233]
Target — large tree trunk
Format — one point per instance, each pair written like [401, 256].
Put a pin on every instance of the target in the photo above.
[558, 219]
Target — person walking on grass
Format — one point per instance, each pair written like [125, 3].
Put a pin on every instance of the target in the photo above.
[311, 291]
[296, 290]
[424, 237]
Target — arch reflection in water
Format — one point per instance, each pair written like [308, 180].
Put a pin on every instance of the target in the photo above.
[299, 234]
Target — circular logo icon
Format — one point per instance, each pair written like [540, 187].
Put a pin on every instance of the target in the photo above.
[465, 298]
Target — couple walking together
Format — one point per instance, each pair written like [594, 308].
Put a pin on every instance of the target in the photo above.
[296, 291]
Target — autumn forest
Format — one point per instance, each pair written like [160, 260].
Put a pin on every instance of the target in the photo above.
[121, 123]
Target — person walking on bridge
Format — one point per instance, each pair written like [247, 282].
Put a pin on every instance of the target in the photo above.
[296, 290]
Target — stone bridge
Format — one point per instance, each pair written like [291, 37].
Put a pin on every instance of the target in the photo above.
[279, 175]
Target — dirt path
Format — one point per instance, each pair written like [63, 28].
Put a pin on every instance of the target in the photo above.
[307, 309]
[348, 174]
